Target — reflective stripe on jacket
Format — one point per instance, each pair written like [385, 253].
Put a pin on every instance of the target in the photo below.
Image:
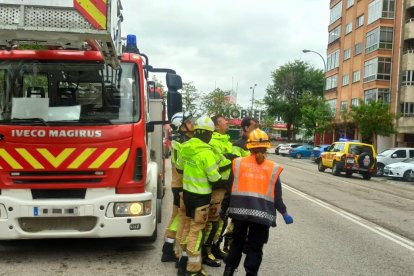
[253, 190]
[199, 166]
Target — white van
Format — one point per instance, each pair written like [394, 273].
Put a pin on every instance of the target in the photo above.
[392, 155]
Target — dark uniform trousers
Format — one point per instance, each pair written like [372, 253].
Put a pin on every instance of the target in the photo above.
[253, 236]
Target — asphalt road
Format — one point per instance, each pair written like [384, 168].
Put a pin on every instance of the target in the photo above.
[342, 226]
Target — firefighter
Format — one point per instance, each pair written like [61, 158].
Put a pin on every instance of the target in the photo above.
[200, 175]
[248, 124]
[183, 124]
[222, 146]
[255, 196]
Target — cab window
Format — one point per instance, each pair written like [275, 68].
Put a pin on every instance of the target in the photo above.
[400, 154]
[339, 147]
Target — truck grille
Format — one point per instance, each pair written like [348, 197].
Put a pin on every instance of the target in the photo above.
[55, 177]
[59, 194]
[35, 225]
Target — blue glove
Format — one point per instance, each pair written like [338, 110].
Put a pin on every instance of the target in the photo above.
[288, 219]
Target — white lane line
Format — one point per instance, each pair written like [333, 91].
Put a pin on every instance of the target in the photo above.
[376, 229]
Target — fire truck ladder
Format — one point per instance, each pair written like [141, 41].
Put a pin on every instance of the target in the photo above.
[64, 24]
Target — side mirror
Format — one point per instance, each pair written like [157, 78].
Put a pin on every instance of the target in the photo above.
[174, 82]
[393, 155]
[174, 103]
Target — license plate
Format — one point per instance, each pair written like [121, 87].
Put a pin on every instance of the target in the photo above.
[46, 211]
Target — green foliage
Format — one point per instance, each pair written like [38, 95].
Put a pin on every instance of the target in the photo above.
[317, 116]
[191, 97]
[290, 82]
[216, 102]
[373, 119]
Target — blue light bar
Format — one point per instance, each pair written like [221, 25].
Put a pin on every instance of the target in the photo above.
[131, 41]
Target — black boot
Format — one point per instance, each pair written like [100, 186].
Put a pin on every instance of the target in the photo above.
[229, 271]
[182, 266]
[168, 254]
[218, 252]
[208, 257]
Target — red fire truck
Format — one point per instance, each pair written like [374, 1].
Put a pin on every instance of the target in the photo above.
[80, 138]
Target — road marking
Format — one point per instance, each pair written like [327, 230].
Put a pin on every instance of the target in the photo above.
[406, 243]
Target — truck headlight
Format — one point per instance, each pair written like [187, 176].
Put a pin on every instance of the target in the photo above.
[128, 209]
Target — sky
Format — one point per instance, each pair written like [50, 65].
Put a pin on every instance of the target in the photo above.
[228, 44]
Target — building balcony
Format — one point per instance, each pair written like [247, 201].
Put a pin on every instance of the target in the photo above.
[405, 125]
[407, 63]
[409, 4]
[409, 29]
[406, 93]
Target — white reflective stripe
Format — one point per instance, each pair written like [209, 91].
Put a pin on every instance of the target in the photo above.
[195, 259]
[211, 168]
[272, 180]
[169, 240]
[195, 180]
[196, 189]
[256, 195]
[236, 175]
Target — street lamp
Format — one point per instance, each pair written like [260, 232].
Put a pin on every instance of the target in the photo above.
[252, 88]
[324, 63]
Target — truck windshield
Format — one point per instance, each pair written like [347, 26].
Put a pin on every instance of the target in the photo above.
[33, 92]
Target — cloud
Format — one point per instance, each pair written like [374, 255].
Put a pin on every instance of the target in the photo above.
[228, 44]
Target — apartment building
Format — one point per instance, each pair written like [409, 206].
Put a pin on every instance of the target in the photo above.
[370, 56]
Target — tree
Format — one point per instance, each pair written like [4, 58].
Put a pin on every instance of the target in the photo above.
[317, 115]
[191, 97]
[290, 82]
[217, 102]
[373, 119]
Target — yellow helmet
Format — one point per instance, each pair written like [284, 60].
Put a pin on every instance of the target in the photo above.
[204, 122]
[258, 139]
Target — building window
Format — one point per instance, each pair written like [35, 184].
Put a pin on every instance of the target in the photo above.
[377, 69]
[358, 49]
[356, 76]
[345, 80]
[344, 105]
[348, 28]
[407, 109]
[334, 34]
[333, 60]
[347, 53]
[336, 13]
[408, 78]
[354, 102]
[332, 105]
[349, 3]
[380, 38]
[359, 21]
[377, 94]
[381, 8]
[331, 82]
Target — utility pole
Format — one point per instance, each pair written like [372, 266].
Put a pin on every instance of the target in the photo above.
[252, 88]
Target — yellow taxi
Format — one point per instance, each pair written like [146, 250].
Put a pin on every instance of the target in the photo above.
[349, 157]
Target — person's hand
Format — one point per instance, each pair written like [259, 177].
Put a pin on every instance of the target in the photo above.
[288, 218]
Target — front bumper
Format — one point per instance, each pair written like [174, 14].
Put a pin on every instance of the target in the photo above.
[21, 217]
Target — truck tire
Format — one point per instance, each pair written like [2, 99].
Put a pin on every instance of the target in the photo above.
[321, 168]
[366, 176]
[380, 169]
[335, 169]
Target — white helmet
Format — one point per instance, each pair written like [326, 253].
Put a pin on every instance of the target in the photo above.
[178, 119]
[204, 122]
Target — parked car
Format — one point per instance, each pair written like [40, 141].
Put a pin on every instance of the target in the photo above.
[301, 151]
[349, 157]
[285, 149]
[392, 155]
[403, 170]
[277, 148]
[316, 152]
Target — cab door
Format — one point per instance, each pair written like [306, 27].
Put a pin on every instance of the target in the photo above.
[328, 156]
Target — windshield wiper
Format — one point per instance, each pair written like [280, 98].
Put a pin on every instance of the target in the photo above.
[30, 121]
[96, 120]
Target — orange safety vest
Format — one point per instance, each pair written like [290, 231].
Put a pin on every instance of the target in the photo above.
[253, 191]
